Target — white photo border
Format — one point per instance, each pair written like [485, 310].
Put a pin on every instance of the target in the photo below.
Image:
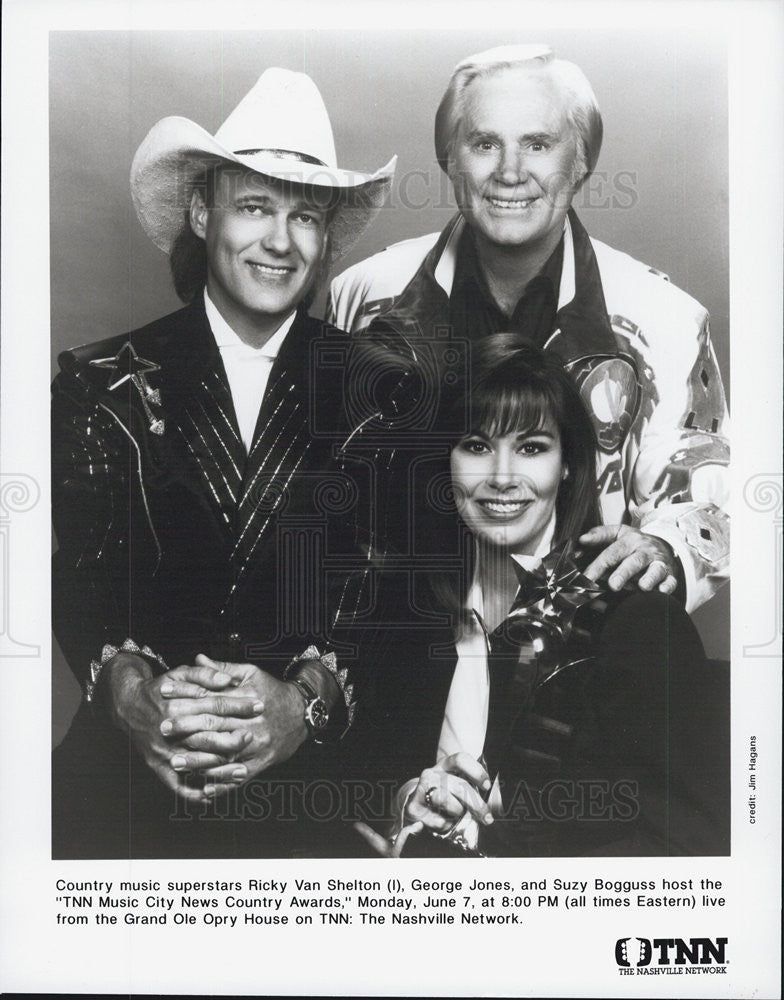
[555, 955]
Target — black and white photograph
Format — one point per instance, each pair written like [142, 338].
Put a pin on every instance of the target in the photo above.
[388, 461]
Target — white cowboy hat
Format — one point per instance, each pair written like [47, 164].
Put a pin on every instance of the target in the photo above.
[279, 129]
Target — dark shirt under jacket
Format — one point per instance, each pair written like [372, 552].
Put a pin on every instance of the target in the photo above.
[473, 312]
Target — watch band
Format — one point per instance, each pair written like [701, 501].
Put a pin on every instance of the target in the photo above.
[329, 662]
[316, 712]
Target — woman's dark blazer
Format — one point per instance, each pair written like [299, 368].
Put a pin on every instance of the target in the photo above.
[625, 754]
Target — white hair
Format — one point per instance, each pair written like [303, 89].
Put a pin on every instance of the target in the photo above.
[583, 111]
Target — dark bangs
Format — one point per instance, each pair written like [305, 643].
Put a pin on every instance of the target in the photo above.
[517, 389]
[505, 404]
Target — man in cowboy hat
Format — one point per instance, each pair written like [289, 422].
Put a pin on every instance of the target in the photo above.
[518, 132]
[190, 460]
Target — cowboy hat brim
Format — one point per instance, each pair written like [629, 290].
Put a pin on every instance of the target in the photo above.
[176, 152]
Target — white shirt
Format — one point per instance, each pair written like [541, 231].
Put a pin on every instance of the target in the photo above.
[247, 368]
[465, 717]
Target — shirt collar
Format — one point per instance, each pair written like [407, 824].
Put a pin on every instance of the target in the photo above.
[475, 597]
[467, 265]
[544, 546]
[444, 259]
[226, 337]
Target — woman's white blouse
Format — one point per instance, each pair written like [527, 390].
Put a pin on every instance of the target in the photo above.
[465, 717]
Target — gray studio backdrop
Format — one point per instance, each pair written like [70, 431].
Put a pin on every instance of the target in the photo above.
[660, 191]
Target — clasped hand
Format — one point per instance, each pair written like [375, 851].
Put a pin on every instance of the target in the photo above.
[443, 793]
[436, 801]
[225, 722]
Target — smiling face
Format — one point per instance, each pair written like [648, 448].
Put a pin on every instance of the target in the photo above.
[506, 485]
[265, 243]
[512, 163]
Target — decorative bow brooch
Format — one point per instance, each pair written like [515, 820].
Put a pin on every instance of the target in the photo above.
[541, 620]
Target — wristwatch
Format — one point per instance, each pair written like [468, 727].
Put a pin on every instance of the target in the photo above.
[316, 711]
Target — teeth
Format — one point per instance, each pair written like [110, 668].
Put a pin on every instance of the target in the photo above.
[509, 204]
[269, 269]
[503, 508]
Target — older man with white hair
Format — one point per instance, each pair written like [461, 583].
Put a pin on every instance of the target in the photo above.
[518, 132]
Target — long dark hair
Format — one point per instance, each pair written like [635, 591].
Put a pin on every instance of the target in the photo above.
[188, 262]
[515, 387]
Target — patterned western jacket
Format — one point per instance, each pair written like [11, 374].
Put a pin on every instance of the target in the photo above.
[640, 351]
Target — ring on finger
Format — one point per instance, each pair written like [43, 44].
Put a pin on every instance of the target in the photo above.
[429, 797]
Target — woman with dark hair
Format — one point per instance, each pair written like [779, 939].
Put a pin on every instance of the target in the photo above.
[525, 411]
[558, 718]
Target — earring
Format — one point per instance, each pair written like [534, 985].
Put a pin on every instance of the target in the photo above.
[564, 475]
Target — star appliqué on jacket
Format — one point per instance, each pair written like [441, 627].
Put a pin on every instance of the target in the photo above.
[135, 370]
[129, 363]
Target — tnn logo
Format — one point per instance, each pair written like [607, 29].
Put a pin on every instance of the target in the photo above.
[698, 951]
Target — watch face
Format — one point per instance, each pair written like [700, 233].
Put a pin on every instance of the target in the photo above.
[317, 714]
